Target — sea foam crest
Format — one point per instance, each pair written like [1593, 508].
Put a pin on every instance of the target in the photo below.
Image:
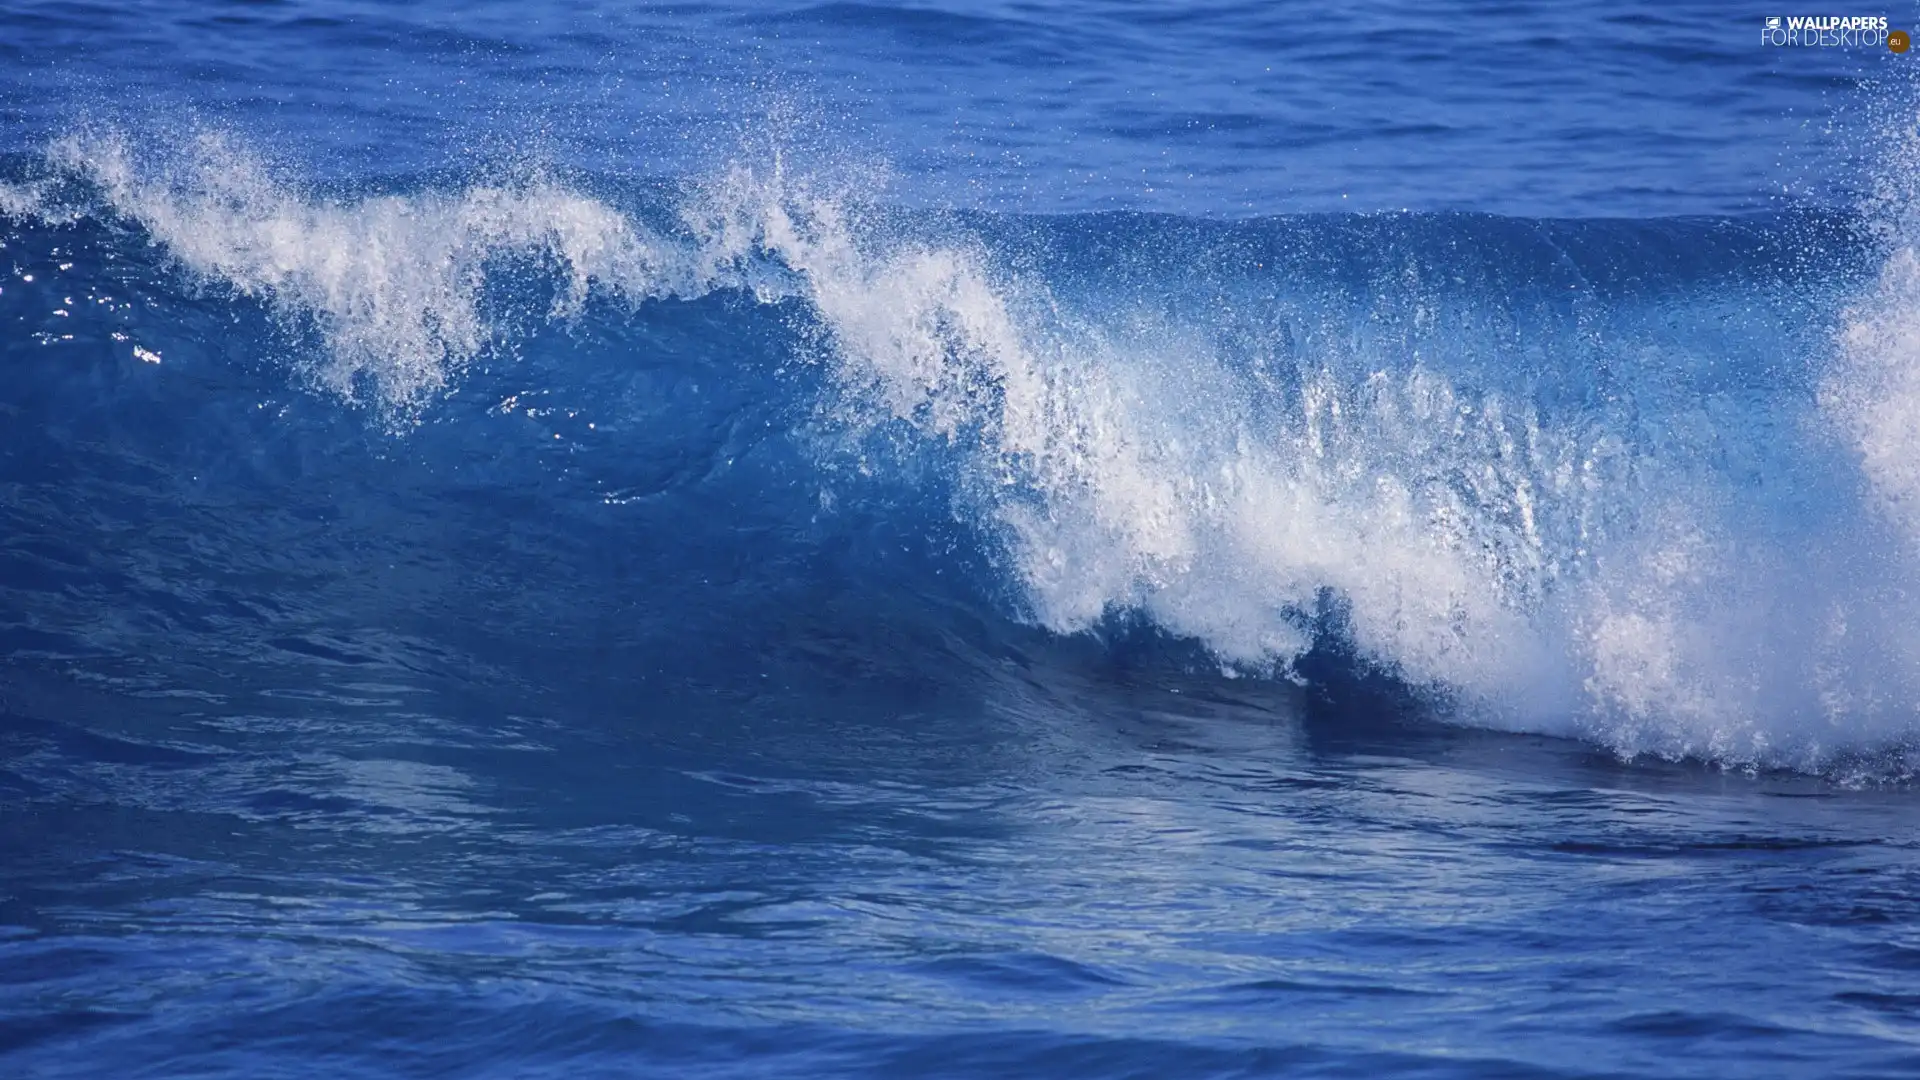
[1131, 471]
[393, 284]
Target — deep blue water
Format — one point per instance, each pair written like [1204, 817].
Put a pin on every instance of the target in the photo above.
[1087, 539]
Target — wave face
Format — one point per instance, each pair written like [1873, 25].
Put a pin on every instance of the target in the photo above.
[1647, 483]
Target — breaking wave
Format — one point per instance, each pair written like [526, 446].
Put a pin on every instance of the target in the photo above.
[1654, 484]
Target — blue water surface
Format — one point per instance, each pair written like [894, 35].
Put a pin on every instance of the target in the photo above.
[1068, 539]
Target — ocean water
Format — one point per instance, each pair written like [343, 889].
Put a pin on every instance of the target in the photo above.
[1091, 539]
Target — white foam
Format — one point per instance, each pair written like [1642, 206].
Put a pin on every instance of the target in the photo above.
[1875, 390]
[22, 200]
[1129, 473]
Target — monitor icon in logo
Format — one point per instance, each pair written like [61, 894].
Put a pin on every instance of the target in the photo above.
[1773, 24]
